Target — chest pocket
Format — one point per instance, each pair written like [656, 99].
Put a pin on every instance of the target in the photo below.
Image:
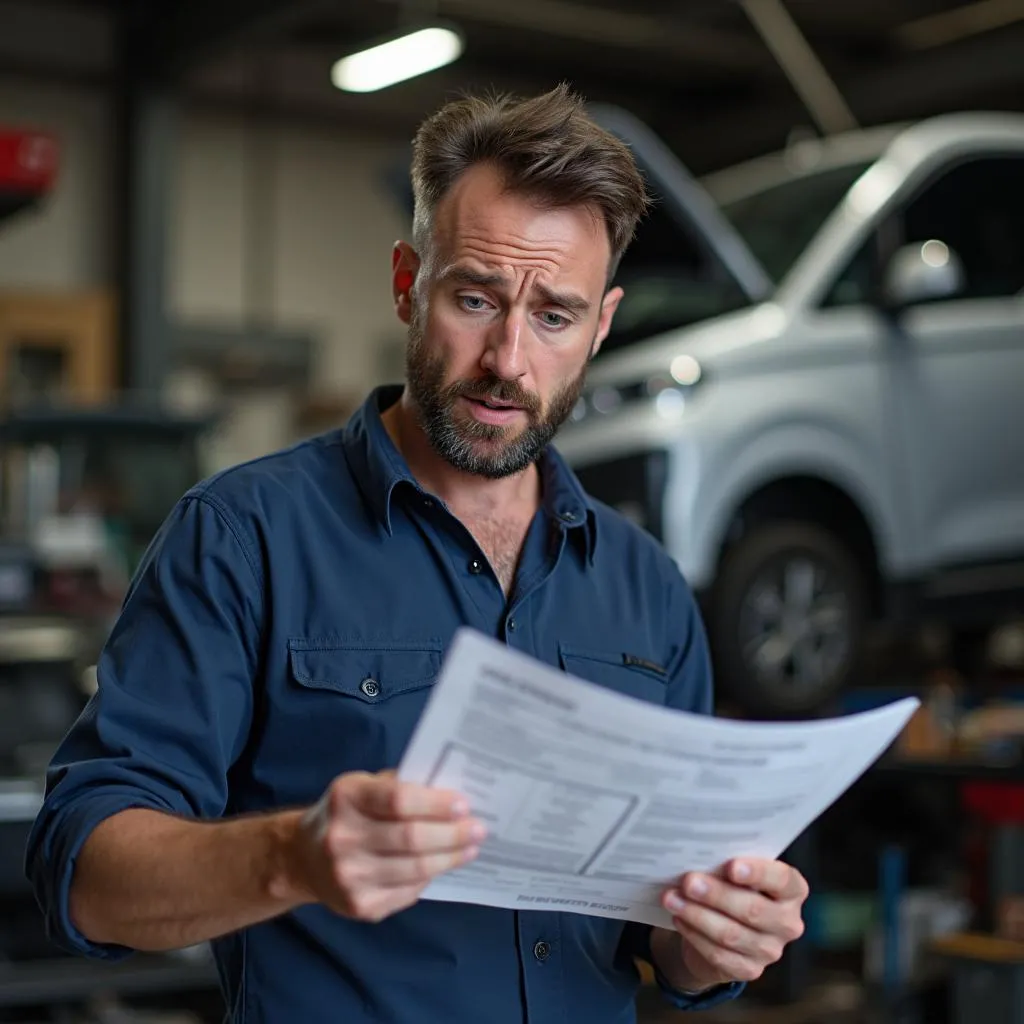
[626, 673]
[358, 702]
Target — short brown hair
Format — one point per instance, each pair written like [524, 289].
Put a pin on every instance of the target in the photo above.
[545, 146]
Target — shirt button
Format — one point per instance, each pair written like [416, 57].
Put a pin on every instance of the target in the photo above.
[542, 951]
[511, 625]
[476, 567]
[567, 517]
[370, 687]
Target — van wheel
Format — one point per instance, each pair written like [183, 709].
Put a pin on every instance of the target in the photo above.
[788, 618]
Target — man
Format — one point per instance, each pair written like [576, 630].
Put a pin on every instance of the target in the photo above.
[232, 780]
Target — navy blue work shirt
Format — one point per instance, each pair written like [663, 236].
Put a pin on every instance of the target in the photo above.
[232, 684]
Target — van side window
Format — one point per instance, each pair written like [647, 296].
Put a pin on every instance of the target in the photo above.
[977, 209]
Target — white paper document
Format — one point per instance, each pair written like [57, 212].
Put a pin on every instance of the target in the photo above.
[595, 801]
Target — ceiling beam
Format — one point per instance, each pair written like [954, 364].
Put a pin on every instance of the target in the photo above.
[958, 23]
[623, 29]
[188, 33]
[942, 78]
[801, 65]
[61, 41]
[947, 78]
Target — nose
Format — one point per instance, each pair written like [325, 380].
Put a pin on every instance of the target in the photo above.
[503, 355]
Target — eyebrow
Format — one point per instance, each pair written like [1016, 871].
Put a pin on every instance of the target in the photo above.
[565, 300]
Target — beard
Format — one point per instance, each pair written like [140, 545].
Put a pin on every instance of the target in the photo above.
[470, 446]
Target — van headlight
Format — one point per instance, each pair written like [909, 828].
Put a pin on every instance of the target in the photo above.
[669, 391]
[686, 371]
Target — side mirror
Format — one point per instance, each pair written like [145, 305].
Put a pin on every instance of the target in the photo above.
[922, 272]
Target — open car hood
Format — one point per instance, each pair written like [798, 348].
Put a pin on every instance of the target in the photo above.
[680, 195]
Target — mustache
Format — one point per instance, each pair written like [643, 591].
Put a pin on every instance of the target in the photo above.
[496, 390]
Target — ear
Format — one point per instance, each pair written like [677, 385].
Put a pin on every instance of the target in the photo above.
[609, 304]
[405, 265]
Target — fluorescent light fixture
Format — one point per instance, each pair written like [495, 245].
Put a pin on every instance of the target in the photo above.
[397, 60]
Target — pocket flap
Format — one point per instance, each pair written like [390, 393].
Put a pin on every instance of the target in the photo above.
[368, 672]
[582, 662]
[622, 671]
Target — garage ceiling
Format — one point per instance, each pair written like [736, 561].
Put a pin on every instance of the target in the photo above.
[699, 71]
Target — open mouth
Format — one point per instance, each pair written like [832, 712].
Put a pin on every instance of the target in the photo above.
[496, 413]
[488, 403]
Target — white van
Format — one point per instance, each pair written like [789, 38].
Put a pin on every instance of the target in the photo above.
[813, 393]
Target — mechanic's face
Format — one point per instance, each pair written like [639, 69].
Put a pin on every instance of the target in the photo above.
[509, 307]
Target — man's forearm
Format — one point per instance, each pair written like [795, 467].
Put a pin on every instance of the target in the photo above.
[153, 882]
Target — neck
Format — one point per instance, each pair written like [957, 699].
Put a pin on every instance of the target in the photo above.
[463, 492]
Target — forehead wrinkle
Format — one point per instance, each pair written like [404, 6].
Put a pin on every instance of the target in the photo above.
[510, 254]
[480, 218]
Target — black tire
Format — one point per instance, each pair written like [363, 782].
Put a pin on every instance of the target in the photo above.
[827, 642]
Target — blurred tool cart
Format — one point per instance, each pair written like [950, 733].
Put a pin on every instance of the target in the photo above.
[82, 494]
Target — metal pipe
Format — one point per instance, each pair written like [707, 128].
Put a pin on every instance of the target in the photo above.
[959, 23]
[810, 80]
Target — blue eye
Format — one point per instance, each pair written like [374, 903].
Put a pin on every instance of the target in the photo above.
[554, 320]
[473, 303]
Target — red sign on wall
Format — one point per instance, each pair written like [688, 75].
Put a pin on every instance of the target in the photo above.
[28, 161]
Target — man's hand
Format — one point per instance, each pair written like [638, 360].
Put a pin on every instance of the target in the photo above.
[371, 845]
[733, 924]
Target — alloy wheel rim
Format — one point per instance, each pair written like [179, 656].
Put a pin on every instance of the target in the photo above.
[794, 627]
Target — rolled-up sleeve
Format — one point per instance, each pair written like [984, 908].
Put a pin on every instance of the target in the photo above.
[173, 706]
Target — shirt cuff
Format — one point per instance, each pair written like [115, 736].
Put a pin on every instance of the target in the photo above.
[691, 1001]
[51, 855]
[701, 1001]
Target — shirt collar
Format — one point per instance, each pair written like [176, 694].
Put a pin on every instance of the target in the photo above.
[565, 500]
[380, 468]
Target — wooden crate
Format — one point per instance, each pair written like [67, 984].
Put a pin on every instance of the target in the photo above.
[66, 340]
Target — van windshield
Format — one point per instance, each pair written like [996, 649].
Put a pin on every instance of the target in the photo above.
[779, 222]
[668, 279]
